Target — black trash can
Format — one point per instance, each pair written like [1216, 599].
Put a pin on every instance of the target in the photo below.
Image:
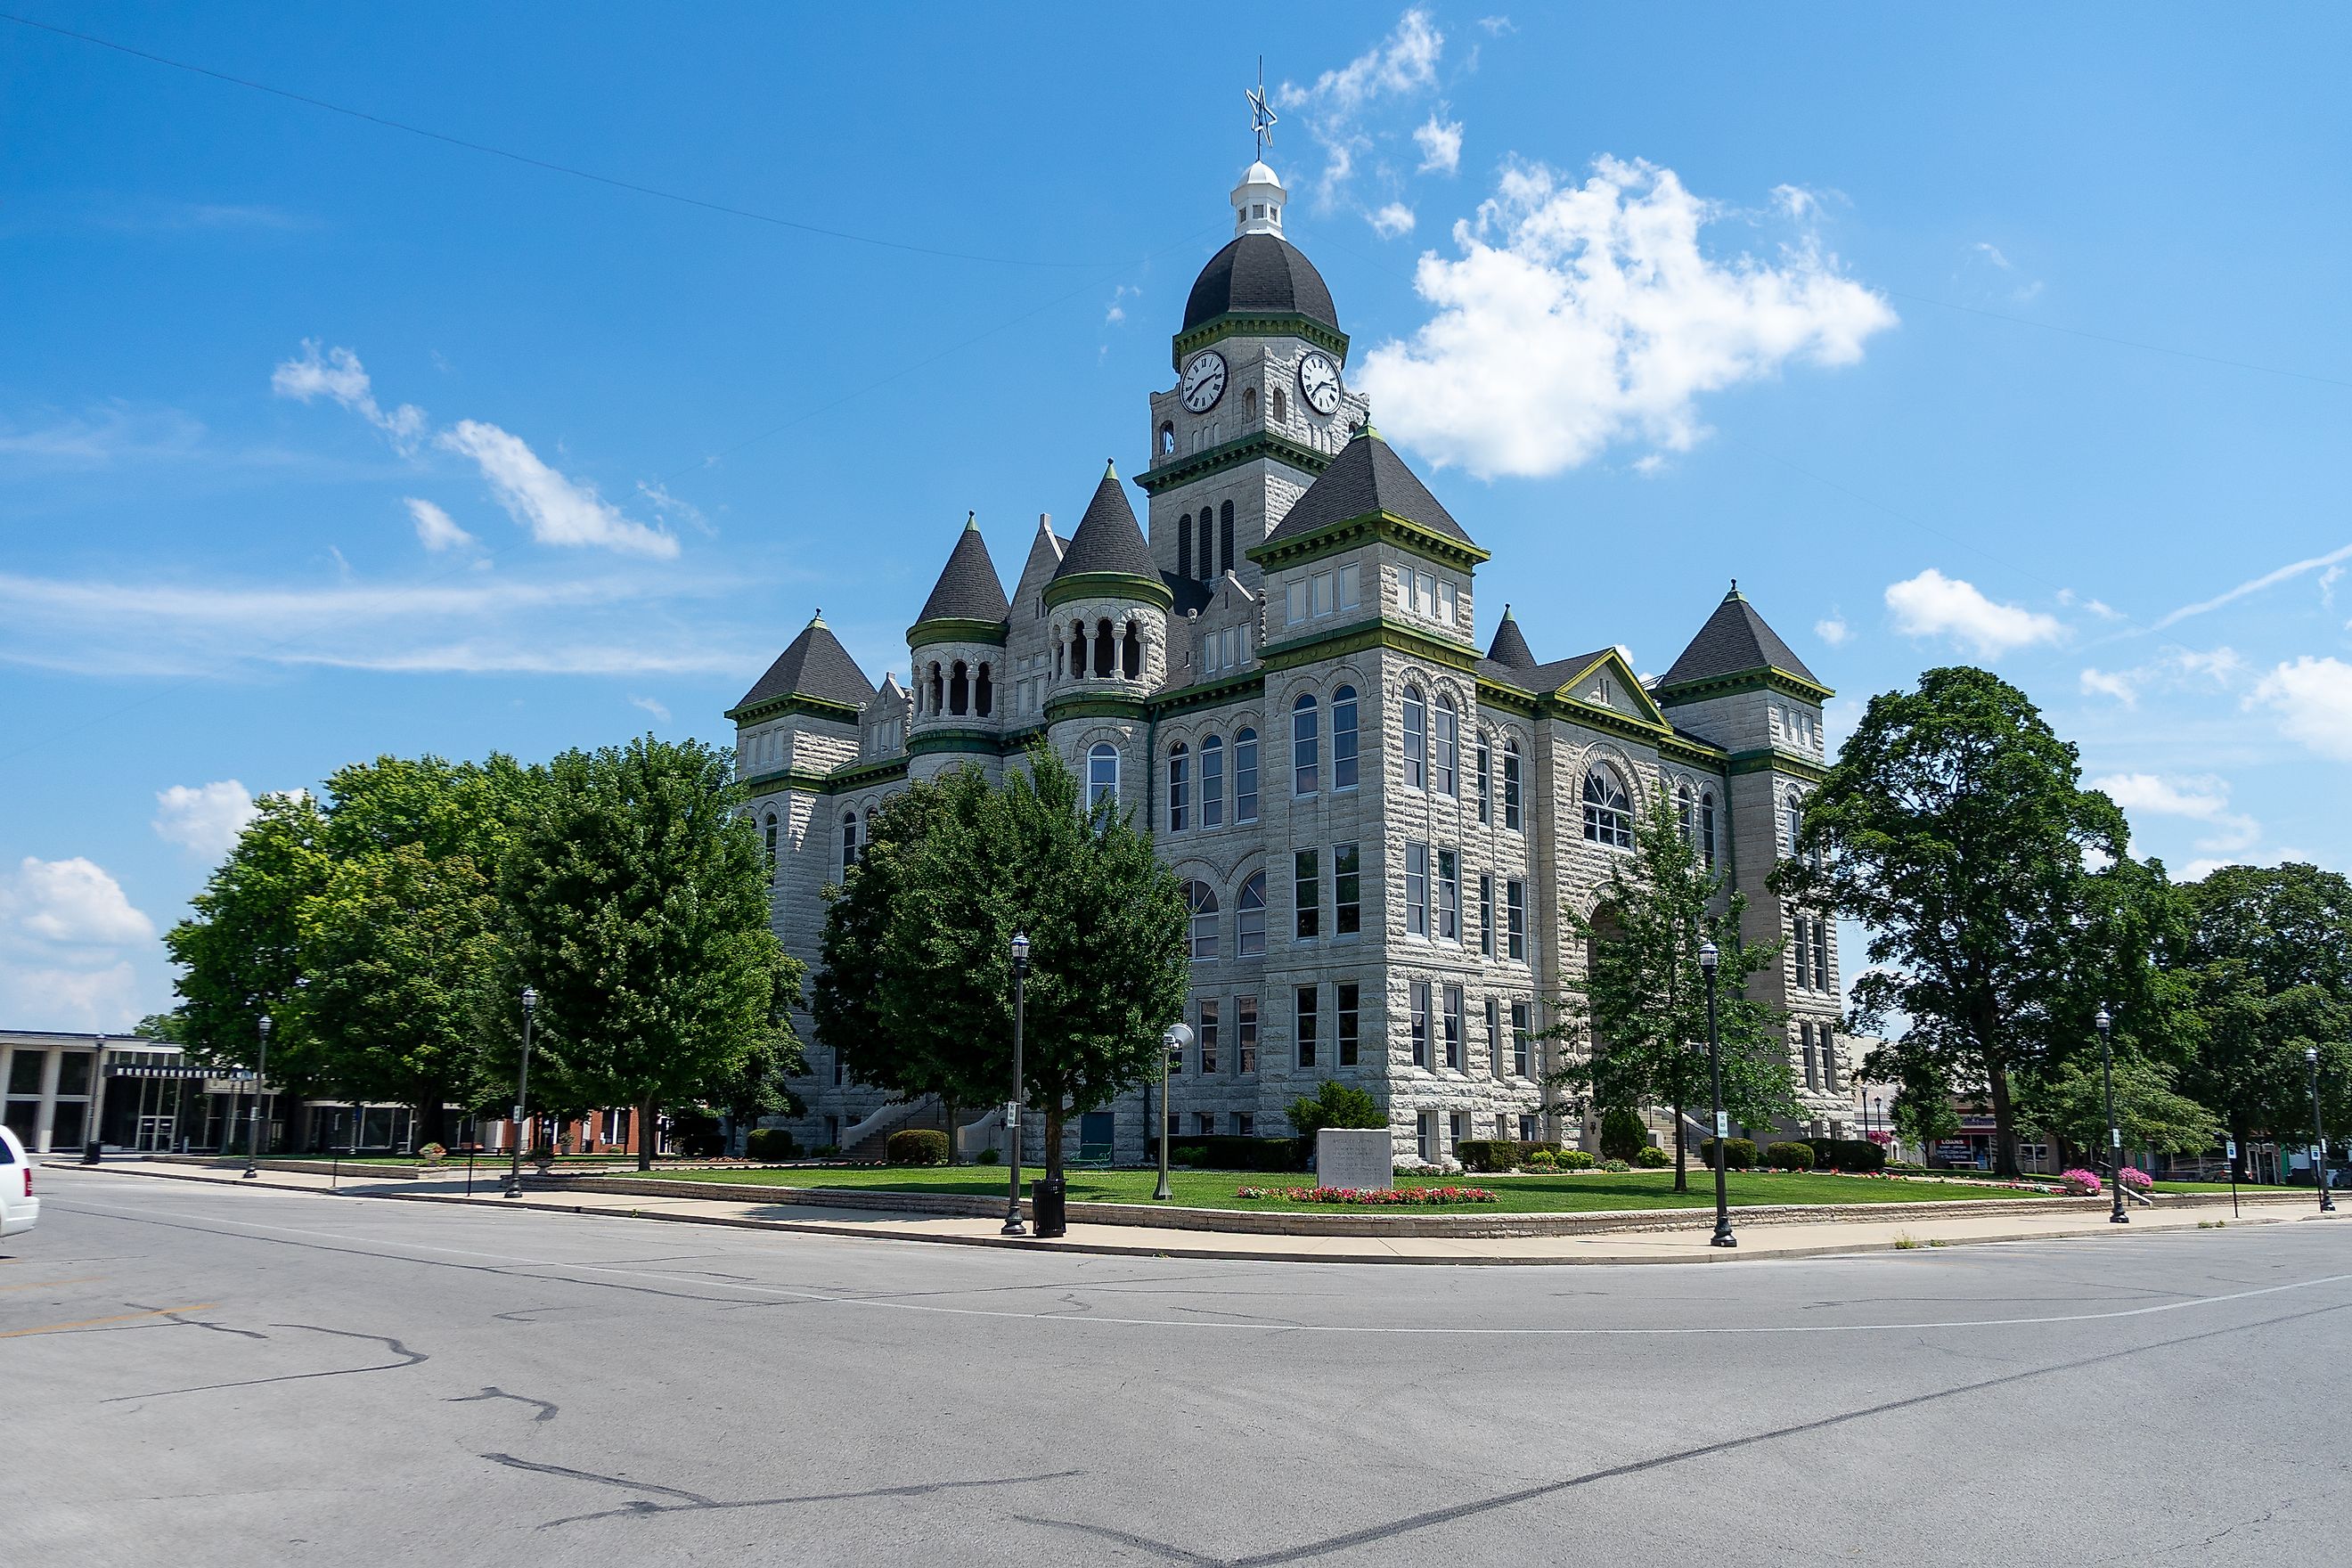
[1047, 1196]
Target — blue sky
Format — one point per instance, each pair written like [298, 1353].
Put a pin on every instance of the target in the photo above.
[2007, 337]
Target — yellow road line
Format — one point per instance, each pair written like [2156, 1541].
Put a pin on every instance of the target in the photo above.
[94, 1322]
[43, 1284]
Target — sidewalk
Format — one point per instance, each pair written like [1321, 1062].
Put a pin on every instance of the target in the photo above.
[1679, 1245]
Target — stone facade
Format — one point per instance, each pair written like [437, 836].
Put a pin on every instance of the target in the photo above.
[1383, 830]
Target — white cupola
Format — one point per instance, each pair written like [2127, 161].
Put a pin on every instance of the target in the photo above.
[1258, 201]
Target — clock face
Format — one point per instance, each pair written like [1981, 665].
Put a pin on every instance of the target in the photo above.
[1319, 382]
[1204, 381]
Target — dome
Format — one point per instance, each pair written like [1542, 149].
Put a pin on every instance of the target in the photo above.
[1260, 274]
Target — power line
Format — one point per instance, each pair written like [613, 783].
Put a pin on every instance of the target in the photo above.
[527, 159]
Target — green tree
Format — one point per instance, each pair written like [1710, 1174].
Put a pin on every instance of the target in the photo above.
[1954, 826]
[1333, 1104]
[636, 903]
[239, 950]
[1644, 1004]
[2069, 1104]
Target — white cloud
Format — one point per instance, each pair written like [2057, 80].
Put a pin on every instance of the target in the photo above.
[1833, 631]
[434, 529]
[554, 508]
[2313, 700]
[2121, 685]
[1332, 107]
[340, 376]
[1579, 316]
[2327, 580]
[64, 926]
[1392, 220]
[1932, 605]
[205, 818]
[651, 706]
[1497, 26]
[69, 903]
[2256, 585]
[1441, 143]
[2202, 797]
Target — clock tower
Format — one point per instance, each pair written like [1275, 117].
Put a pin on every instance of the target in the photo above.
[1261, 404]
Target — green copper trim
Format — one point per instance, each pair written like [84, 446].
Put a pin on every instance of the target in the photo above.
[857, 777]
[1348, 533]
[1188, 467]
[1772, 760]
[1210, 693]
[954, 628]
[1251, 324]
[1759, 679]
[793, 702]
[1109, 586]
[1697, 754]
[929, 742]
[1652, 718]
[1510, 698]
[1083, 705]
[787, 780]
[1395, 635]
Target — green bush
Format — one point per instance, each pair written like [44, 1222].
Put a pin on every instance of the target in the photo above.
[1623, 1134]
[1487, 1153]
[1653, 1158]
[771, 1143]
[918, 1146]
[1576, 1160]
[991, 1155]
[1847, 1154]
[1541, 1159]
[1788, 1156]
[1739, 1153]
[1615, 1167]
[1221, 1151]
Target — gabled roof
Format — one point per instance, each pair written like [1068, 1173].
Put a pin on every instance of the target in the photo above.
[1510, 649]
[1734, 641]
[1108, 537]
[1562, 678]
[815, 665]
[967, 588]
[1366, 476]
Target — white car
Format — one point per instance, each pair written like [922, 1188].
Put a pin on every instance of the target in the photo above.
[19, 1209]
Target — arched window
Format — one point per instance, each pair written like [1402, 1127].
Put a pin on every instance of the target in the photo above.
[1608, 813]
[958, 690]
[1511, 785]
[771, 846]
[1281, 407]
[1448, 771]
[1686, 815]
[1305, 747]
[1201, 905]
[848, 842]
[983, 693]
[1184, 545]
[1796, 822]
[1485, 776]
[938, 690]
[1416, 739]
[1167, 439]
[1061, 653]
[1249, 924]
[1106, 650]
[1249, 403]
[1078, 649]
[1130, 653]
[1102, 774]
[1245, 775]
[1343, 738]
[1212, 781]
[1707, 827]
[1180, 786]
[1226, 537]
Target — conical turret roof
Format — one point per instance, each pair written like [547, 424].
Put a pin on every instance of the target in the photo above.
[1510, 649]
[1366, 476]
[967, 588]
[1734, 641]
[1108, 537]
[813, 665]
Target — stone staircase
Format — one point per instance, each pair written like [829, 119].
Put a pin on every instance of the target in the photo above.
[870, 1140]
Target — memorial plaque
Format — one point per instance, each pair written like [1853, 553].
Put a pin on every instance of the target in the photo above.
[1360, 1157]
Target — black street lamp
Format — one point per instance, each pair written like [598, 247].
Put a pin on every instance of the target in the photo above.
[253, 1115]
[2120, 1216]
[522, 1097]
[2318, 1131]
[1708, 960]
[1172, 1044]
[1012, 1225]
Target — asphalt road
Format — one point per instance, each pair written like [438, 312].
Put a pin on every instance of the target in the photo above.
[197, 1377]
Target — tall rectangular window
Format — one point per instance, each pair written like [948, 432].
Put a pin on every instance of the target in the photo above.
[1322, 581]
[1305, 747]
[1487, 914]
[1213, 783]
[1425, 1136]
[1246, 1033]
[1416, 889]
[1343, 738]
[1511, 786]
[1484, 764]
[1828, 1038]
[1306, 888]
[1803, 953]
[1812, 1073]
[1307, 1021]
[1351, 587]
[1349, 1022]
[1514, 914]
[1208, 1032]
[1494, 1037]
[1457, 1025]
[1294, 603]
[1420, 1016]
[1347, 891]
[1180, 788]
[1245, 777]
[1449, 896]
[1820, 954]
[1522, 1039]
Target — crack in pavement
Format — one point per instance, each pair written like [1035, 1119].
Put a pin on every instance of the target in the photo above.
[695, 1502]
[546, 1411]
[409, 1358]
[1170, 1552]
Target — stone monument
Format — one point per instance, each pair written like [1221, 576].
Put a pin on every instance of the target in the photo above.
[1360, 1157]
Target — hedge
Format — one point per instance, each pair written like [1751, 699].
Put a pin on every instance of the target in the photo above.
[771, 1143]
[1224, 1151]
[1502, 1154]
[1847, 1154]
[1649, 1157]
[1739, 1153]
[1788, 1156]
[918, 1146]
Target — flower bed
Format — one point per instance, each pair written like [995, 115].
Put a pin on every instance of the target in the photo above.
[2081, 1183]
[1373, 1197]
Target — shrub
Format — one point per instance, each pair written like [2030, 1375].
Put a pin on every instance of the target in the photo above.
[2082, 1183]
[1220, 1152]
[918, 1146]
[2135, 1178]
[1487, 1153]
[1616, 1167]
[1623, 1135]
[1653, 1158]
[1575, 1159]
[1335, 1104]
[1861, 1155]
[432, 1154]
[771, 1143]
[1545, 1159]
[991, 1155]
[1788, 1156]
[1739, 1153]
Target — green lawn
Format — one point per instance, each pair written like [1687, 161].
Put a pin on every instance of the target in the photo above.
[1519, 1194]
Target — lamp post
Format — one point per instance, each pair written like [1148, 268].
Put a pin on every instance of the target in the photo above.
[253, 1116]
[2318, 1131]
[1172, 1043]
[1708, 960]
[522, 1097]
[2119, 1215]
[1012, 1225]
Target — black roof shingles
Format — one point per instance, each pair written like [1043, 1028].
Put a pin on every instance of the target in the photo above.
[815, 665]
[1734, 641]
[1108, 537]
[1367, 477]
[967, 588]
[1510, 648]
[1262, 273]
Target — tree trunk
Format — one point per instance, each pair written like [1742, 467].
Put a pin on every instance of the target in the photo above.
[952, 1108]
[2005, 1129]
[1053, 1114]
[647, 1133]
[432, 1116]
[1682, 1158]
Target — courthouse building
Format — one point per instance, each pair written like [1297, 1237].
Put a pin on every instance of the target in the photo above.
[1380, 828]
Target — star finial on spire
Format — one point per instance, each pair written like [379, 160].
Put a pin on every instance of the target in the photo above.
[1262, 117]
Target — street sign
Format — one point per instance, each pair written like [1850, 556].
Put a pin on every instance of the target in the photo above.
[2114, 1137]
[2231, 1149]
[518, 1113]
[1722, 1124]
[1013, 1113]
